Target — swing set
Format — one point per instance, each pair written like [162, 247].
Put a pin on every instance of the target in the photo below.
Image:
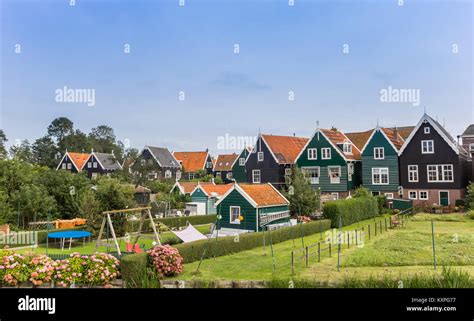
[107, 222]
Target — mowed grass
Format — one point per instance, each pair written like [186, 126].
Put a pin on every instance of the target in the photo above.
[400, 252]
[90, 248]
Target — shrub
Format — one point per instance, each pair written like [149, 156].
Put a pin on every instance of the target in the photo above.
[14, 269]
[304, 219]
[350, 211]
[362, 192]
[471, 214]
[459, 203]
[134, 267]
[166, 260]
[42, 269]
[381, 201]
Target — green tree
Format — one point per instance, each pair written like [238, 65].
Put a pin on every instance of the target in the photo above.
[35, 203]
[60, 128]
[76, 141]
[362, 192]
[470, 196]
[303, 199]
[3, 150]
[45, 152]
[22, 152]
[7, 212]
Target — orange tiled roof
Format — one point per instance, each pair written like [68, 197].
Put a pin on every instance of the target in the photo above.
[285, 148]
[188, 187]
[78, 159]
[225, 162]
[360, 138]
[191, 161]
[219, 189]
[404, 131]
[263, 194]
[394, 137]
[337, 137]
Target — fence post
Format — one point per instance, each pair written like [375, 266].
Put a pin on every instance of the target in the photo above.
[375, 226]
[385, 220]
[368, 227]
[292, 262]
[307, 256]
[381, 229]
[433, 241]
[338, 255]
[348, 240]
[356, 237]
[330, 254]
[319, 251]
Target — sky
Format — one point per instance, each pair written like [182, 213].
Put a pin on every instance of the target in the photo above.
[209, 69]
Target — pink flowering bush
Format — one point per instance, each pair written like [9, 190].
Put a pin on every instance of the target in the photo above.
[71, 270]
[102, 269]
[166, 260]
[42, 269]
[15, 269]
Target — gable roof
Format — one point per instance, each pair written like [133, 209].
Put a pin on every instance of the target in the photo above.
[469, 131]
[285, 149]
[403, 131]
[258, 195]
[392, 136]
[188, 187]
[335, 137]
[191, 161]
[225, 162]
[360, 138]
[459, 150]
[107, 161]
[78, 159]
[218, 189]
[163, 157]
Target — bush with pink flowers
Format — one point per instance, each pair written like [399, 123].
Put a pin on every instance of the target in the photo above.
[102, 269]
[42, 269]
[166, 260]
[15, 269]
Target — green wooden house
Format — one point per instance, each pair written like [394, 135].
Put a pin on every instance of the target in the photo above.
[252, 207]
[380, 173]
[331, 162]
[238, 168]
[207, 194]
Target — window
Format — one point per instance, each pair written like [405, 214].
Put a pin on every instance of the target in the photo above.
[191, 175]
[94, 164]
[234, 214]
[143, 162]
[379, 153]
[209, 165]
[220, 163]
[380, 176]
[152, 175]
[334, 174]
[427, 131]
[167, 173]
[471, 148]
[89, 164]
[347, 148]
[412, 195]
[423, 195]
[413, 173]
[69, 166]
[242, 161]
[375, 193]
[94, 175]
[312, 153]
[63, 166]
[325, 153]
[218, 174]
[256, 176]
[427, 147]
[288, 171]
[350, 171]
[440, 173]
[178, 175]
[229, 175]
[335, 196]
[389, 196]
[311, 174]
[150, 161]
[260, 156]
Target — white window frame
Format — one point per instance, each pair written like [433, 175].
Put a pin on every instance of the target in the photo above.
[330, 176]
[437, 171]
[312, 180]
[288, 171]
[379, 153]
[427, 151]
[208, 164]
[89, 164]
[168, 174]
[424, 198]
[335, 194]
[326, 153]
[242, 161]
[178, 174]
[379, 169]
[260, 157]
[228, 175]
[255, 171]
[413, 198]
[69, 166]
[389, 196]
[143, 162]
[63, 166]
[191, 176]
[413, 171]
[312, 153]
[237, 221]
[347, 148]
[350, 171]
[427, 130]
[94, 164]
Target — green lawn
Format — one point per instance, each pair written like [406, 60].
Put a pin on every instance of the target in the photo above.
[89, 248]
[398, 252]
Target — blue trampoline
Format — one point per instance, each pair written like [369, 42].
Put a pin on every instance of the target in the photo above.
[62, 236]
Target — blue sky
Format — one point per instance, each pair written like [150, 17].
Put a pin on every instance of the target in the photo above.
[191, 49]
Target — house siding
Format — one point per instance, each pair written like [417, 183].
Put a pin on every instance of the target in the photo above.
[153, 166]
[234, 198]
[239, 172]
[270, 170]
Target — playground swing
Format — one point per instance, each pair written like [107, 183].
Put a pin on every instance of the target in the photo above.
[107, 223]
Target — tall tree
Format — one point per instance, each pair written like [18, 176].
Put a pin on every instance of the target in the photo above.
[3, 139]
[303, 199]
[45, 152]
[60, 128]
[22, 152]
[76, 142]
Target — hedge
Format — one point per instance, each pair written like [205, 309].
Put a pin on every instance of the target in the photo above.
[173, 222]
[133, 269]
[351, 210]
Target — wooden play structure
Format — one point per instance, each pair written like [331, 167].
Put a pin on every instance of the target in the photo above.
[144, 213]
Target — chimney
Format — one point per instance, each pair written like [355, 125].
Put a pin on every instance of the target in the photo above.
[395, 132]
[207, 150]
[294, 134]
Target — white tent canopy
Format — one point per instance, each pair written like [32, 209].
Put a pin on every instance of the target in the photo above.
[189, 234]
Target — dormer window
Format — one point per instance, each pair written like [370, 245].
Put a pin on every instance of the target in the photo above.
[347, 148]
[426, 130]
[260, 156]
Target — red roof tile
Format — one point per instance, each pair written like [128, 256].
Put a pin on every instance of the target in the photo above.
[191, 161]
[219, 189]
[395, 137]
[263, 194]
[285, 148]
[225, 162]
[78, 159]
[337, 137]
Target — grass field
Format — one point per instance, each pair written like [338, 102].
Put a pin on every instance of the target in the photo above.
[89, 248]
[398, 253]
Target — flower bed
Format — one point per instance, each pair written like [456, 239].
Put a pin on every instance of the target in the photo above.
[166, 260]
[99, 269]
